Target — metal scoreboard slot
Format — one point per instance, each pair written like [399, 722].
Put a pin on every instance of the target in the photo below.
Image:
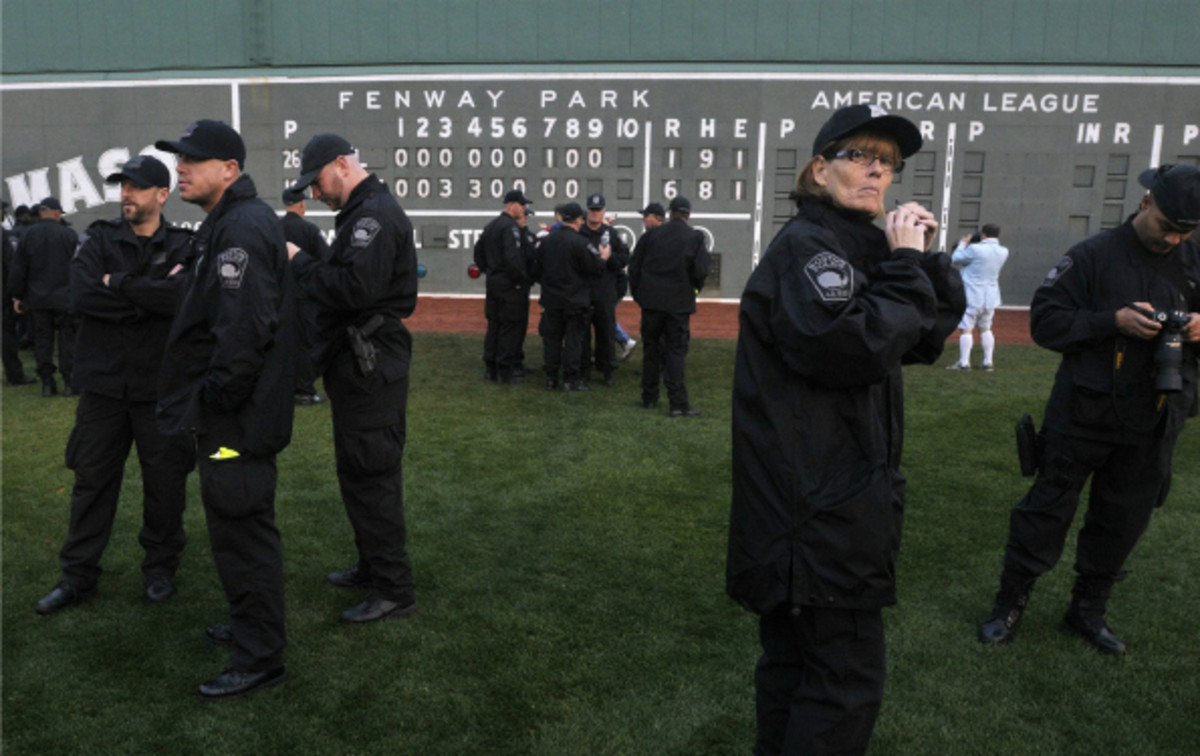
[1048, 158]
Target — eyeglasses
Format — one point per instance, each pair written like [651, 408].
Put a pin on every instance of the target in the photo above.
[865, 158]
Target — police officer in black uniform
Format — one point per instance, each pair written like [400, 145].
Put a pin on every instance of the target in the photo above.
[305, 235]
[502, 244]
[668, 266]
[567, 262]
[603, 316]
[1110, 416]
[834, 308]
[227, 378]
[363, 292]
[39, 285]
[125, 287]
[14, 371]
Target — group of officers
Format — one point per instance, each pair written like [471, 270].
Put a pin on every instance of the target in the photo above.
[189, 345]
[836, 306]
[584, 268]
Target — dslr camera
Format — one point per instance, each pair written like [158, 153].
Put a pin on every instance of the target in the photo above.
[1168, 356]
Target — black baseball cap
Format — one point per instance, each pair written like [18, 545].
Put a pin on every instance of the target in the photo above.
[1176, 190]
[50, 203]
[653, 208]
[320, 151]
[144, 171]
[571, 211]
[595, 202]
[854, 118]
[292, 196]
[207, 139]
[681, 204]
[516, 195]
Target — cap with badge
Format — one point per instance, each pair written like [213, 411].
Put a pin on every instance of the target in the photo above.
[1176, 190]
[143, 171]
[516, 195]
[571, 211]
[681, 205]
[855, 118]
[50, 203]
[320, 151]
[653, 208]
[207, 139]
[595, 202]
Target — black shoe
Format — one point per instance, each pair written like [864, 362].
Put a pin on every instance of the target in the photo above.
[576, 386]
[649, 404]
[490, 375]
[63, 595]
[1088, 623]
[308, 400]
[685, 411]
[551, 384]
[1002, 623]
[609, 380]
[49, 387]
[232, 683]
[23, 381]
[159, 588]
[519, 371]
[375, 608]
[351, 577]
[68, 391]
[222, 634]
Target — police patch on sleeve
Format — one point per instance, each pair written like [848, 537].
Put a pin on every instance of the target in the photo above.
[231, 267]
[831, 276]
[1060, 268]
[365, 231]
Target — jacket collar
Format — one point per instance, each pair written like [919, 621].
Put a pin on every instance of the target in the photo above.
[358, 194]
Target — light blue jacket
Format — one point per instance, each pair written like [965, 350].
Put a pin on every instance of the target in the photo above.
[980, 265]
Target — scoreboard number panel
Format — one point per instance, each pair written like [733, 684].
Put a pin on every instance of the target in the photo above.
[1050, 158]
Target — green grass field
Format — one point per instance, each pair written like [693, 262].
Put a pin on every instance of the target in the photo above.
[569, 552]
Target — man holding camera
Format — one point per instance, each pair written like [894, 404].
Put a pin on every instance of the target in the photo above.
[1122, 309]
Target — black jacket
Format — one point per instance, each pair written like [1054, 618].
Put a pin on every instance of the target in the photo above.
[371, 269]
[567, 262]
[503, 242]
[826, 320]
[604, 288]
[668, 266]
[229, 367]
[41, 271]
[123, 326]
[1104, 388]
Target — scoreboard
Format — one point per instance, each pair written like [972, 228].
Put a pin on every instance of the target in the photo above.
[1050, 159]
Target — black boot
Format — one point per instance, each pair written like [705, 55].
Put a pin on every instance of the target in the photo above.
[1011, 600]
[49, 387]
[1085, 618]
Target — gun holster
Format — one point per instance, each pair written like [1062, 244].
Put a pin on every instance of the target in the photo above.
[1029, 446]
[361, 345]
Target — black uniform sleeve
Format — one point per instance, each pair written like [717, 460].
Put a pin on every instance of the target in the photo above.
[699, 261]
[620, 252]
[1060, 317]
[636, 260]
[363, 271]
[833, 325]
[89, 295]
[18, 277]
[951, 302]
[246, 318]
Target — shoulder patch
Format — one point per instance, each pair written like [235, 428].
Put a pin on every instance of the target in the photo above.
[231, 267]
[1060, 267]
[831, 276]
[365, 231]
